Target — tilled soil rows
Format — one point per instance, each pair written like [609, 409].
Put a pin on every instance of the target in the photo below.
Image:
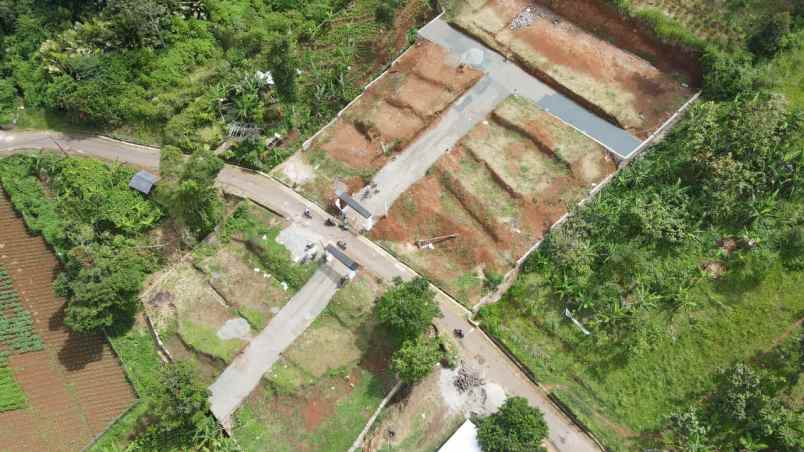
[498, 192]
[75, 386]
[392, 113]
[615, 84]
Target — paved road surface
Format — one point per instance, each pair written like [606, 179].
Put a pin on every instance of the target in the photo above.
[564, 434]
[237, 381]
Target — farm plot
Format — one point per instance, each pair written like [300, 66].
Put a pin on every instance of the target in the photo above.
[381, 123]
[208, 308]
[722, 20]
[73, 384]
[325, 387]
[615, 84]
[495, 194]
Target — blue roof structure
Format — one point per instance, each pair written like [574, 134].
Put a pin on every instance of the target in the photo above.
[143, 182]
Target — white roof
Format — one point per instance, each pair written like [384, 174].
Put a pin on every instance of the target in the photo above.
[463, 440]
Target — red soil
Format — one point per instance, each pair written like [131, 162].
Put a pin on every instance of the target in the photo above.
[75, 387]
[397, 108]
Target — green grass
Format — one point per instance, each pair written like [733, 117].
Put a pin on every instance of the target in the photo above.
[261, 428]
[12, 396]
[638, 389]
[205, 340]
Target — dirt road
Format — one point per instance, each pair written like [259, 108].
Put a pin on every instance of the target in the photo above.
[564, 434]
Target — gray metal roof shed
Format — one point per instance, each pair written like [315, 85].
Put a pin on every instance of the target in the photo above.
[341, 256]
[351, 202]
[143, 182]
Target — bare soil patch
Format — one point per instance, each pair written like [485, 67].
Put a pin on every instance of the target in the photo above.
[392, 113]
[614, 83]
[75, 386]
[498, 191]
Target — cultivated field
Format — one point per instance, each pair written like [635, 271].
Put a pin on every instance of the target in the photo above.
[325, 387]
[498, 191]
[723, 20]
[381, 123]
[74, 386]
[614, 83]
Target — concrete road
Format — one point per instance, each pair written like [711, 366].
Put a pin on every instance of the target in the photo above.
[240, 378]
[564, 434]
[517, 81]
[398, 175]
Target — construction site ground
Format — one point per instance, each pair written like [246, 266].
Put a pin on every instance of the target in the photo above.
[327, 384]
[208, 306]
[612, 82]
[497, 192]
[389, 115]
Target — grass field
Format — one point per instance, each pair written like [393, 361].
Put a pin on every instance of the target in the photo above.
[320, 394]
[623, 394]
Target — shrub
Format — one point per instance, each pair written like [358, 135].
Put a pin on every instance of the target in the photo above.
[727, 75]
[772, 37]
[414, 360]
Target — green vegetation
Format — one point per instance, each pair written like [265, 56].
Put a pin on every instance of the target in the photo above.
[187, 191]
[689, 262]
[11, 395]
[415, 359]
[750, 408]
[408, 308]
[96, 224]
[260, 239]
[515, 427]
[183, 72]
[16, 336]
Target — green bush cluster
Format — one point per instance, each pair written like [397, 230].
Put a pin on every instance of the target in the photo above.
[96, 224]
[752, 406]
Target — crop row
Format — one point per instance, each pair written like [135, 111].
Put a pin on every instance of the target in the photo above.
[16, 324]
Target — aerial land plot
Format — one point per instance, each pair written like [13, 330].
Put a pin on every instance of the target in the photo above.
[497, 192]
[326, 386]
[209, 307]
[58, 389]
[392, 113]
[613, 83]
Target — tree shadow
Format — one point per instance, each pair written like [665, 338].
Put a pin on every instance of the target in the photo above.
[78, 350]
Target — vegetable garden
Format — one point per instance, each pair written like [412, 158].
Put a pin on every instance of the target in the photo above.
[16, 336]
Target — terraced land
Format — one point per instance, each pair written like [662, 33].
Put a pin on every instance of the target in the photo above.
[392, 113]
[74, 385]
[499, 190]
[616, 84]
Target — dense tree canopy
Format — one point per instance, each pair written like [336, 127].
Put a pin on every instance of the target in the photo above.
[515, 427]
[408, 308]
[187, 189]
[414, 360]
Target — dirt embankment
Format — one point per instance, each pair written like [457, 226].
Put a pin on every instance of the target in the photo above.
[604, 20]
